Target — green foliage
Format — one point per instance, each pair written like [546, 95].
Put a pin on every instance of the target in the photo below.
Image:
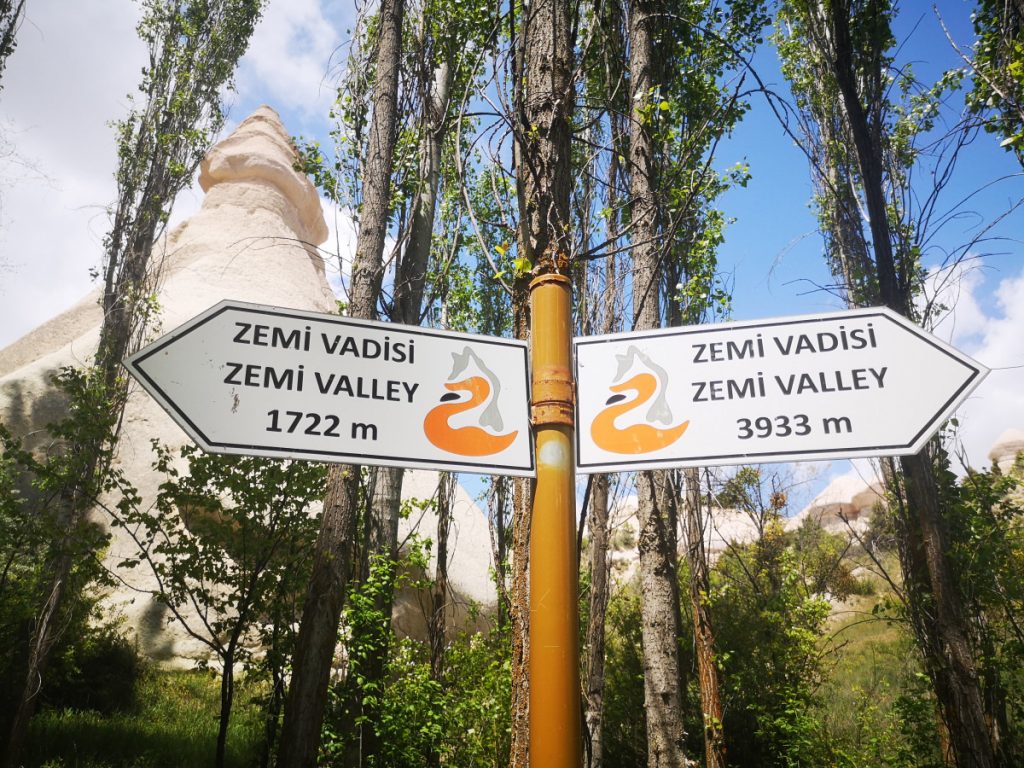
[998, 64]
[625, 727]
[228, 543]
[769, 629]
[985, 516]
[689, 109]
[902, 116]
[821, 560]
[194, 46]
[42, 502]
[874, 705]
[97, 668]
[10, 21]
[478, 687]
[463, 718]
[230, 537]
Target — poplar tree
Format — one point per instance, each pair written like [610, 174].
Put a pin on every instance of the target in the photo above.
[194, 46]
[836, 56]
[997, 65]
[318, 630]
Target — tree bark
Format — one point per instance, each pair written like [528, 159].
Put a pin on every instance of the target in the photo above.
[437, 627]
[412, 271]
[942, 629]
[544, 99]
[519, 608]
[498, 505]
[385, 501]
[704, 638]
[318, 629]
[659, 588]
[599, 589]
[409, 284]
[314, 652]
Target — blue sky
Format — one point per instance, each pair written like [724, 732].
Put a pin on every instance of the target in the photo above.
[77, 62]
[773, 249]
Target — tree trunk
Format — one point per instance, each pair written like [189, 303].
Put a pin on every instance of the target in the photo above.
[314, 652]
[522, 488]
[659, 589]
[368, 264]
[227, 698]
[439, 595]
[437, 627]
[519, 608]
[661, 625]
[600, 565]
[409, 283]
[542, 129]
[704, 638]
[44, 635]
[949, 656]
[385, 502]
[498, 504]
[318, 629]
[413, 268]
[599, 589]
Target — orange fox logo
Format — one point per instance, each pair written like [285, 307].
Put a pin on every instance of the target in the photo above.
[470, 440]
[638, 438]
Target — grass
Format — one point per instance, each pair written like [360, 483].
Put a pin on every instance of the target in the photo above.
[173, 724]
[872, 663]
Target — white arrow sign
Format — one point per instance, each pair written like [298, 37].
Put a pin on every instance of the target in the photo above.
[841, 385]
[264, 381]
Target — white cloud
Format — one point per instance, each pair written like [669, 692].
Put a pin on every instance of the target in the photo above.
[68, 78]
[75, 65]
[339, 248]
[986, 323]
[288, 60]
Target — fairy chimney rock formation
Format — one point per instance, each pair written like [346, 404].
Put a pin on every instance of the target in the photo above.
[1008, 446]
[254, 239]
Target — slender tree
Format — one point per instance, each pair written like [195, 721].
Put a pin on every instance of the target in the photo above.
[697, 520]
[307, 695]
[844, 46]
[543, 104]
[661, 619]
[194, 46]
[439, 604]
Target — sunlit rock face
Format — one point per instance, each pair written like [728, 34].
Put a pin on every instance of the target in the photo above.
[254, 239]
[1008, 446]
[845, 506]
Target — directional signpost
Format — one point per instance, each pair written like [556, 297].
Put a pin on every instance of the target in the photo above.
[842, 385]
[264, 381]
[255, 380]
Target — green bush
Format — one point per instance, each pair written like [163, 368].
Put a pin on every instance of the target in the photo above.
[99, 670]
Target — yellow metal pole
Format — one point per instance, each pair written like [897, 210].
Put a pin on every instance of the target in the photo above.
[554, 608]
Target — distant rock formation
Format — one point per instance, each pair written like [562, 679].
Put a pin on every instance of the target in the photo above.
[254, 239]
[1008, 447]
[846, 503]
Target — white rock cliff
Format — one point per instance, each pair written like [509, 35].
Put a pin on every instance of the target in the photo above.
[254, 239]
